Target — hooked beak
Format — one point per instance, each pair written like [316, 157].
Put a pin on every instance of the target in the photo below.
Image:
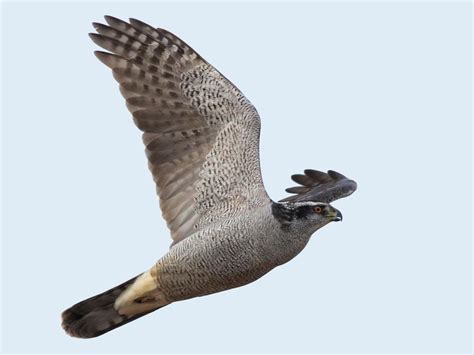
[335, 215]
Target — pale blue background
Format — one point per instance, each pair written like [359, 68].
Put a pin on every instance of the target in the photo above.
[378, 91]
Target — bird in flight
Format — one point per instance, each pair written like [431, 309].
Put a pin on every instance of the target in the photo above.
[201, 139]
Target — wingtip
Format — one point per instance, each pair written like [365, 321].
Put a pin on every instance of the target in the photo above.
[104, 57]
[94, 36]
[312, 172]
[100, 55]
[320, 186]
[354, 185]
[135, 22]
[109, 17]
[317, 175]
[336, 175]
[111, 20]
[297, 178]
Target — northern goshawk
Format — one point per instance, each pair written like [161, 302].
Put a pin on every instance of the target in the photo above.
[202, 142]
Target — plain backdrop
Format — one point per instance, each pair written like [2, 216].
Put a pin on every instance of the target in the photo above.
[378, 91]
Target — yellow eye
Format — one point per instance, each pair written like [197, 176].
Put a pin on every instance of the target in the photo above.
[318, 209]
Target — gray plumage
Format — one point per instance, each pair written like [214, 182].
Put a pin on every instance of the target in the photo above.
[201, 138]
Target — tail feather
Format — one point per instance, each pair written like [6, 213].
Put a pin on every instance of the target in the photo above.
[97, 315]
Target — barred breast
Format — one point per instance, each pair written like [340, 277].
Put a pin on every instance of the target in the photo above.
[226, 255]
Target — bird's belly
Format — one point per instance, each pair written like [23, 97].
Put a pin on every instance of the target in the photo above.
[215, 264]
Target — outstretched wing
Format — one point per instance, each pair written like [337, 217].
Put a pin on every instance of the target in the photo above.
[318, 186]
[201, 134]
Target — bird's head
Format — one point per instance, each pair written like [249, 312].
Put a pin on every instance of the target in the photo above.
[305, 216]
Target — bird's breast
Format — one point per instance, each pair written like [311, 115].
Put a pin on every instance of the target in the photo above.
[221, 258]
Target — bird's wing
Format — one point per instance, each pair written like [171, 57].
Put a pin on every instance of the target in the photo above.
[318, 186]
[201, 134]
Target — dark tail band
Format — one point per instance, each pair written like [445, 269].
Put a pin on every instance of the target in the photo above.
[97, 315]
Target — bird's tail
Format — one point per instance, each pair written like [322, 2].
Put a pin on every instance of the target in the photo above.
[98, 315]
